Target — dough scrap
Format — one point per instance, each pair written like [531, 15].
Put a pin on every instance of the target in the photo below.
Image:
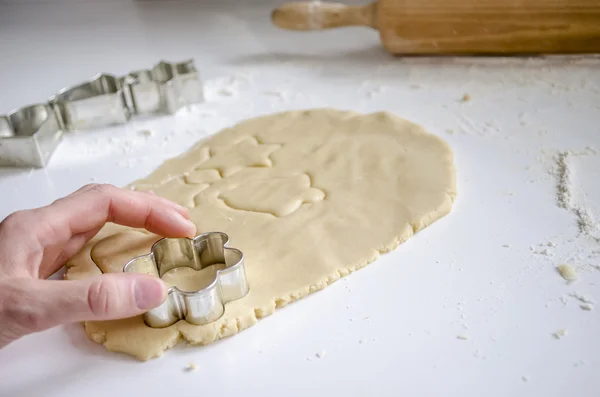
[308, 196]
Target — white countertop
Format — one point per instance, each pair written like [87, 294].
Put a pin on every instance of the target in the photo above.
[392, 328]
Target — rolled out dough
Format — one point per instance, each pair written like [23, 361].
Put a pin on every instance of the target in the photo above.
[308, 196]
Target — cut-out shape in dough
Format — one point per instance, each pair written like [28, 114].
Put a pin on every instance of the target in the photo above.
[183, 165]
[176, 190]
[276, 195]
[232, 158]
[202, 177]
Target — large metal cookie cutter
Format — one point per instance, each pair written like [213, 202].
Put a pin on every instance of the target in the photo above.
[29, 136]
[103, 101]
[197, 307]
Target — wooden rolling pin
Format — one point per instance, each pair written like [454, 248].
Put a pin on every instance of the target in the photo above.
[460, 26]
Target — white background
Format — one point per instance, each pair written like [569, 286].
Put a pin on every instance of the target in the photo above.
[390, 329]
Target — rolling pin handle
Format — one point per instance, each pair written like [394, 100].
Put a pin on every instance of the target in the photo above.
[318, 16]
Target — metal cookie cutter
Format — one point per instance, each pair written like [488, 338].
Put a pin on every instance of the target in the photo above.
[29, 136]
[103, 101]
[197, 307]
[166, 88]
[97, 103]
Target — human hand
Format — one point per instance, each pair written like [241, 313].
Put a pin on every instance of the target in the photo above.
[35, 243]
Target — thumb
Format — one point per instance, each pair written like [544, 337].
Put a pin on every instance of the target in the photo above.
[106, 297]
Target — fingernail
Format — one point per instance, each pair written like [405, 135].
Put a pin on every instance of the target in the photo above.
[149, 292]
[181, 208]
[188, 223]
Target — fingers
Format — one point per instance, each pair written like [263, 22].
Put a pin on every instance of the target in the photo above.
[90, 207]
[67, 252]
[42, 239]
[35, 305]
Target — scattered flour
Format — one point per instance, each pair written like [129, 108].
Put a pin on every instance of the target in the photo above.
[585, 221]
[564, 196]
[225, 86]
[563, 183]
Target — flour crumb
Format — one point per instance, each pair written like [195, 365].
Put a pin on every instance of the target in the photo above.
[207, 114]
[226, 86]
[191, 367]
[561, 333]
[280, 94]
[465, 98]
[582, 298]
[544, 252]
[146, 133]
[378, 89]
[462, 337]
[450, 132]
[320, 354]
[567, 272]
[586, 307]
[228, 91]
[524, 379]
[506, 245]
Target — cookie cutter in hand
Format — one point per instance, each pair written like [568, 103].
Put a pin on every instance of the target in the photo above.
[196, 307]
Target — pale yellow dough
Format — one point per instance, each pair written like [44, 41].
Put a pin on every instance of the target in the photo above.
[308, 196]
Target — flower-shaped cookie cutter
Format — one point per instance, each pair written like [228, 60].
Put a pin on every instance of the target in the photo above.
[201, 306]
